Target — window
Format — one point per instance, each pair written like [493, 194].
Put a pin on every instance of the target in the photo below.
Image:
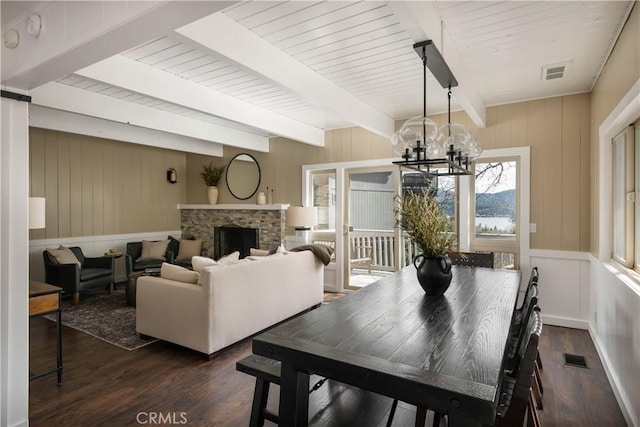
[626, 171]
[495, 199]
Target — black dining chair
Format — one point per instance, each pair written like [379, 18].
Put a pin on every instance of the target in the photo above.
[533, 280]
[472, 259]
[516, 395]
[517, 338]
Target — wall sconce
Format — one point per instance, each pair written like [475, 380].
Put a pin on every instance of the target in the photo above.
[172, 175]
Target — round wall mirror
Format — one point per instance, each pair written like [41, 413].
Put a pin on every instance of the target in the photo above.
[243, 176]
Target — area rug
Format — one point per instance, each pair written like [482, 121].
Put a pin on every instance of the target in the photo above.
[332, 296]
[106, 317]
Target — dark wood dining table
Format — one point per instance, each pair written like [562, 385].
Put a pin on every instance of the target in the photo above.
[443, 353]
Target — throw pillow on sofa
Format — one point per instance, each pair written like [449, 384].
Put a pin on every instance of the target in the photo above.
[153, 250]
[189, 249]
[178, 274]
[232, 258]
[258, 252]
[199, 263]
[63, 255]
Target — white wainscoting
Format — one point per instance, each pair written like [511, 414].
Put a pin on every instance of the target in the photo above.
[91, 246]
[563, 287]
[579, 291]
[614, 325]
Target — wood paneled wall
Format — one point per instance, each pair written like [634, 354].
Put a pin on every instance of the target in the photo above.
[558, 132]
[556, 129]
[619, 74]
[96, 186]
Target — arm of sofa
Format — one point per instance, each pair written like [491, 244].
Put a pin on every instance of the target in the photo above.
[173, 311]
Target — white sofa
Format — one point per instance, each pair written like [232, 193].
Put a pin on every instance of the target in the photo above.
[233, 302]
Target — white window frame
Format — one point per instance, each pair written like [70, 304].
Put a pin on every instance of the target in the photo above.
[623, 171]
[467, 218]
[636, 236]
[625, 112]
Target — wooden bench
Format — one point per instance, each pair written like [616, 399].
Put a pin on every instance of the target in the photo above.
[266, 371]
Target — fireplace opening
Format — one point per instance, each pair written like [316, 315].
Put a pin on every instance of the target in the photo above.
[231, 238]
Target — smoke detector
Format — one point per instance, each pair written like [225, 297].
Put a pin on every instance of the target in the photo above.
[555, 71]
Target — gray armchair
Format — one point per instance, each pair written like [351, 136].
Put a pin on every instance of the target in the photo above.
[134, 251]
[93, 272]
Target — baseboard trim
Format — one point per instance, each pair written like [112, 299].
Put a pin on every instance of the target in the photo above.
[565, 322]
[613, 379]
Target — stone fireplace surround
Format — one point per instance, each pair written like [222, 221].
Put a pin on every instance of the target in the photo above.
[198, 221]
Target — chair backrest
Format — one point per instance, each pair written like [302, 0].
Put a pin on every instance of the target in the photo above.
[528, 306]
[534, 276]
[77, 251]
[134, 249]
[528, 350]
[533, 281]
[514, 397]
[472, 259]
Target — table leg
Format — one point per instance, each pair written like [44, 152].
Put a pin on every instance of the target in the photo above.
[59, 345]
[294, 397]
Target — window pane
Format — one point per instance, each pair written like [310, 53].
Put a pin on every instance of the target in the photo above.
[371, 201]
[324, 198]
[619, 190]
[495, 199]
[444, 189]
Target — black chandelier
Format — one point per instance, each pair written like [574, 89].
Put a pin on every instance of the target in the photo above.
[448, 150]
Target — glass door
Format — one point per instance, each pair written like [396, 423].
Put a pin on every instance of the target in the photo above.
[495, 210]
[370, 241]
[323, 196]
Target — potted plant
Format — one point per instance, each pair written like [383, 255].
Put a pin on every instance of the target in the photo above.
[421, 216]
[211, 175]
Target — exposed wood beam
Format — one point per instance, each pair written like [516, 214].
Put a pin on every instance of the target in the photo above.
[80, 101]
[75, 35]
[422, 21]
[135, 76]
[222, 35]
[48, 118]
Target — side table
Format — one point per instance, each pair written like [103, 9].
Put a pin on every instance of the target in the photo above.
[45, 299]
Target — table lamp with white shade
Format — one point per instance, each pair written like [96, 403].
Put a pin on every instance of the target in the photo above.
[302, 218]
[37, 217]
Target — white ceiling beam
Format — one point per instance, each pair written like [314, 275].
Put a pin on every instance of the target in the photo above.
[67, 98]
[48, 118]
[422, 21]
[135, 76]
[223, 36]
[76, 34]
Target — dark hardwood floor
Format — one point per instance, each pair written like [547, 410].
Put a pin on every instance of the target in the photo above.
[106, 385]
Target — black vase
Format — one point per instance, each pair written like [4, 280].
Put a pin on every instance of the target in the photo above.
[434, 274]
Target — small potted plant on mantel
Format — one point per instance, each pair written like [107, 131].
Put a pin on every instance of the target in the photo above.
[211, 175]
[422, 217]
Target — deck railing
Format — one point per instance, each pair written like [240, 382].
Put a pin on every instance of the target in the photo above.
[381, 244]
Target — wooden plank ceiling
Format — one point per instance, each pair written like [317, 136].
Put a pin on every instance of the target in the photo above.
[363, 50]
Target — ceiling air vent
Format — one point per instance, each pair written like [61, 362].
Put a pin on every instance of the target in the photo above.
[555, 71]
